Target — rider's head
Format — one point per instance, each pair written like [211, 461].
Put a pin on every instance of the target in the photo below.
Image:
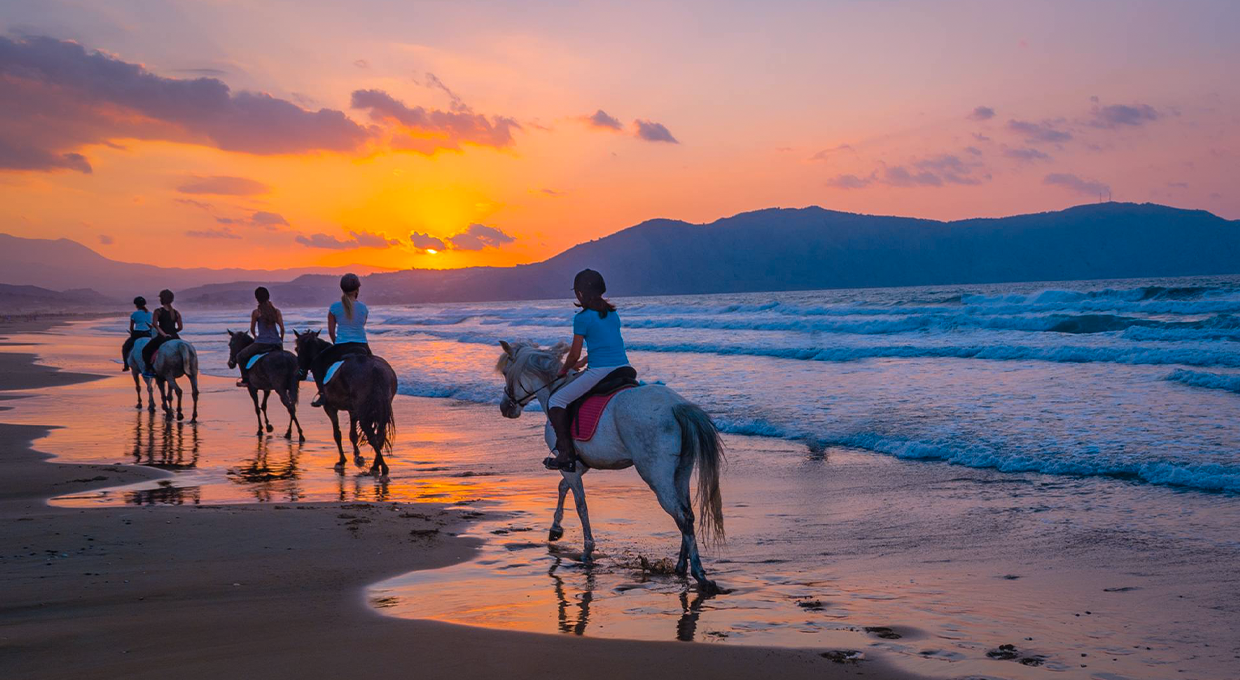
[589, 287]
[139, 302]
[262, 294]
[349, 283]
[166, 297]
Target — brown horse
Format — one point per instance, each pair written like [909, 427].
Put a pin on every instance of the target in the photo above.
[364, 386]
[273, 372]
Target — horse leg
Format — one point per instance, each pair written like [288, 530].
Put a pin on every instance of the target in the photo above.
[579, 499]
[257, 413]
[177, 388]
[150, 395]
[333, 416]
[673, 495]
[355, 434]
[266, 396]
[557, 531]
[165, 396]
[292, 417]
[137, 387]
[193, 392]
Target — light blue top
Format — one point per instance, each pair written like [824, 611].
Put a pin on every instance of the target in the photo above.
[142, 322]
[604, 346]
[350, 330]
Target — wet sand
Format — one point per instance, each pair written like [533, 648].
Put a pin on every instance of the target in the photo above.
[275, 590]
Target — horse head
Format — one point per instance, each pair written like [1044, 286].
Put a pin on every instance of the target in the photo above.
[308, 345]
[527, 370]
[236, 342]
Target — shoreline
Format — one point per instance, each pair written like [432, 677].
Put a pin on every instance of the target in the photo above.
[254, 589]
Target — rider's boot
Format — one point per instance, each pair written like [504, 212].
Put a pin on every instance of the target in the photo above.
[565, 458]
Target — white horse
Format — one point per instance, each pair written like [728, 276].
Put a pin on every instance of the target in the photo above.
[649, 427]
[173, 359]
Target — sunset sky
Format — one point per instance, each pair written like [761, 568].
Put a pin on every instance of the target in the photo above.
[276, 134]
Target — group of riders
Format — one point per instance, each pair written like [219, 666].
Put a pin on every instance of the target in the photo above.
[596, 328]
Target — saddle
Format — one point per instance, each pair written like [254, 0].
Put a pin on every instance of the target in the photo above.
[585, 413]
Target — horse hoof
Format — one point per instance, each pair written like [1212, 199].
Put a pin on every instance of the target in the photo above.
[271, 429]
[338, 467]
[709, 587]
[180, 416]
[555, 534]
[301, 438]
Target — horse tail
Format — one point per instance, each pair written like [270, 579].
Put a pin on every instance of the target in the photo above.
[374, 409]
[292, 381]
[699, 439]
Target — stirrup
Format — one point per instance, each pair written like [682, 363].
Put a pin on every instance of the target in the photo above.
[242, 383]
[318, 401]
[552, 464]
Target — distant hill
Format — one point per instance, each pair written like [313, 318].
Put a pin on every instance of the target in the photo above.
[25, 299]
[64, 264]
[813, 248]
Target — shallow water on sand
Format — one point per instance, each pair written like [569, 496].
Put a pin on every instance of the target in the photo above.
[1089, 577]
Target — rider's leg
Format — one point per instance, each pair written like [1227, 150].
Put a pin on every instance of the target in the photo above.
[557, 412]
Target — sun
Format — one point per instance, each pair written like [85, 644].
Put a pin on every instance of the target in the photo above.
[432, 251]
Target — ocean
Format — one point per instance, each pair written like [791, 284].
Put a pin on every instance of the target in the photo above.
[1135, 379]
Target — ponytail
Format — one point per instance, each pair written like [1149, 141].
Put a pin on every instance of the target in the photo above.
[349, 283]
[346, 301]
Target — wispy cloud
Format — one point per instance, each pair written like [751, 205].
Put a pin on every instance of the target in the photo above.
[223, 185]
[1039, 132]
[479, 236]
[827, 154]
[982, 113]
[1122, 115]
[1077, 184]
[849, 182]
[428, 130]
[220, 233]
[56, 97]
[600, 119]
[1026, 155]
[653, 132]
[357, 239]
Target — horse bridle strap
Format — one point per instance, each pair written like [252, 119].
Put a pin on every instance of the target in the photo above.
[530, 395]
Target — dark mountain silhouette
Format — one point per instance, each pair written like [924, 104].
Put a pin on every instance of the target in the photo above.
[27, 299]
[63, 264]
[812, 248]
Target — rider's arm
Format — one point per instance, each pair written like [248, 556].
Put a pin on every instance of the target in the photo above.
[253, 323]
[155, 321]
[574, 355]
[280, 323]
[331, 326]
[180, 323]
[131, 324]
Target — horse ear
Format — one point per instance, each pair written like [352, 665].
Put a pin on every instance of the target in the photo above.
[229, 331]
[296, 334]
[506, 346]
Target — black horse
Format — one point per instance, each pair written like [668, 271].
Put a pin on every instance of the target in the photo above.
[273, 372]
[364, 386]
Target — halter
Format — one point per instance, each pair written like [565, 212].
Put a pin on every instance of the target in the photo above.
[508, 392]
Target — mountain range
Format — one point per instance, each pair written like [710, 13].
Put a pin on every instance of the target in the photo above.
[776, 249]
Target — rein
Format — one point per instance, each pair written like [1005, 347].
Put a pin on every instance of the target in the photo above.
[508, 392]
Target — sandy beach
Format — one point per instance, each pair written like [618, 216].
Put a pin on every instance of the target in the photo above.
[274, 590]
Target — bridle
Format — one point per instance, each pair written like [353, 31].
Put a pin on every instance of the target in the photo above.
[523, 401]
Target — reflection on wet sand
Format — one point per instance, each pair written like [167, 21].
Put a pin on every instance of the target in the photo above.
[165, 494]
[577, 626]
[161, 443]
[269, 479]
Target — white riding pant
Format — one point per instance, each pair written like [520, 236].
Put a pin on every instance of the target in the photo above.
[584, 382]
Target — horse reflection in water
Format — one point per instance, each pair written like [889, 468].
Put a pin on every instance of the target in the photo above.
[686, 625]
[362, 488]
[271, 480]
[163, 444]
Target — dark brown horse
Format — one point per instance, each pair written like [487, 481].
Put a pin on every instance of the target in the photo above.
[364, 387]
[273, 372]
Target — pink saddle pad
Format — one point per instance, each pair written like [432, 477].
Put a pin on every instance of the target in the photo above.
[590, 413]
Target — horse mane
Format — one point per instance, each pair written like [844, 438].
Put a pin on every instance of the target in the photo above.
[528, 357]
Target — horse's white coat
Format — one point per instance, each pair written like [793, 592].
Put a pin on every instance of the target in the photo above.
[173, 359]
[641, 427]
